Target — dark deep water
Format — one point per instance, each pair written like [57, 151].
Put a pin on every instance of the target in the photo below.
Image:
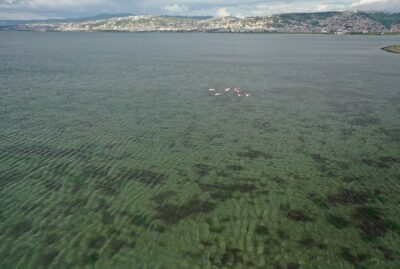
[113, 153]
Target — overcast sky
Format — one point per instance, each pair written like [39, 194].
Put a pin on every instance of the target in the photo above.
[39, 9]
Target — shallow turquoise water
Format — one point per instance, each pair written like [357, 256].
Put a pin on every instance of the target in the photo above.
[113, 153]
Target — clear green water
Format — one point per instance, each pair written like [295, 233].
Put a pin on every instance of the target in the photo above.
[113, 154]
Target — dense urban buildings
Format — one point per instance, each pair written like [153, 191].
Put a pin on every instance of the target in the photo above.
[325, 22]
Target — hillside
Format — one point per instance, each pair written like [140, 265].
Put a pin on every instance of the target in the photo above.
[323, 22]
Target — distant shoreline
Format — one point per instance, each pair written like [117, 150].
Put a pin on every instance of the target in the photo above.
[392, 49]
[205, 32]
[340, 23]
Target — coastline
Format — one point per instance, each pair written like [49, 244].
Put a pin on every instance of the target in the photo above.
[392, 49]
[203, 32]
[340, 23]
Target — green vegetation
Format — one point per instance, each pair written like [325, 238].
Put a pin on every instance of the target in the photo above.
[387, 19]
[303, 17]
[394, 49]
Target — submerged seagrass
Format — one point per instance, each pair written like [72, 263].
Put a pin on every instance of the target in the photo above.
[113, 154]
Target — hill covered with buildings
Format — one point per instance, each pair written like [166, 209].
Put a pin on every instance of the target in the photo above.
[324, 22]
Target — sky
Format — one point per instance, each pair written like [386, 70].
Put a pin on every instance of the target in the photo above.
[44, 9]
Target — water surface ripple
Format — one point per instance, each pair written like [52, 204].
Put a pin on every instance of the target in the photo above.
[114, 154]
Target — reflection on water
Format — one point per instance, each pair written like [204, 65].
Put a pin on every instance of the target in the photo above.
[114, 154]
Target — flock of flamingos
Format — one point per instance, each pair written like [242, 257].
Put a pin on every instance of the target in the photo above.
[239, 92]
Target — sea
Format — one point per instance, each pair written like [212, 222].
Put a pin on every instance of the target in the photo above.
[116, 152]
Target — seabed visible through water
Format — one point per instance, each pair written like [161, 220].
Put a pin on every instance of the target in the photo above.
[121, 158]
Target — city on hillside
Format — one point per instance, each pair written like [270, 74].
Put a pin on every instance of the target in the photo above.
[323, 22]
